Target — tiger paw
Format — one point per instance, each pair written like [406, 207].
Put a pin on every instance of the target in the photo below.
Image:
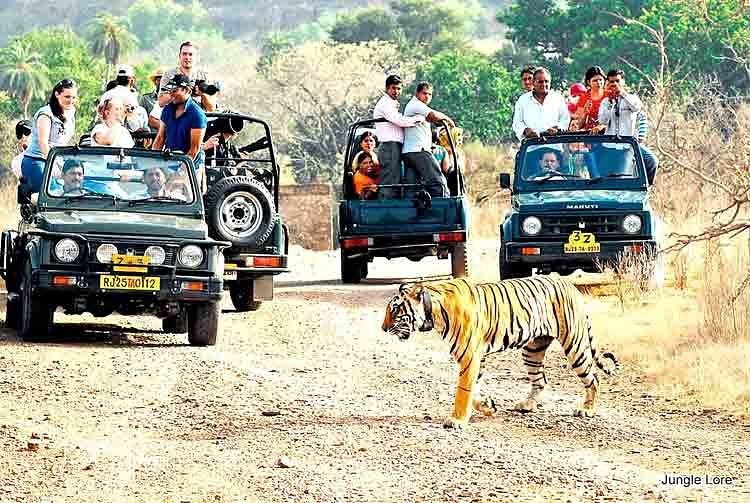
[528, 405]
[584, 412]
[486, 407]
[455, 424]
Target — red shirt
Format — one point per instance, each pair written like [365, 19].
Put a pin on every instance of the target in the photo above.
[591, 110]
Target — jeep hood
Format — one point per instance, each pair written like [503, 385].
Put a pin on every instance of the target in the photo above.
[113, 222]
[568, 200]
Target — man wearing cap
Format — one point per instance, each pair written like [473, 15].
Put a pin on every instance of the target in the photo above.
[183, 122]
[23, 132]
[188, 56]
[147, 100]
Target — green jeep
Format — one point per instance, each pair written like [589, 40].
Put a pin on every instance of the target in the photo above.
[114, 230]
[578, 202]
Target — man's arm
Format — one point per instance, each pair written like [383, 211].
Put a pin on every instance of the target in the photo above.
[196, 138]
[632, 101]
[397, 118]
[208, 102]
[435, 116]
[519, 126]
[159, 140]
[605, 112]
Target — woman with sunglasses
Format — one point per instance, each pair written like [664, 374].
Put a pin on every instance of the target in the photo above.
[53, 125]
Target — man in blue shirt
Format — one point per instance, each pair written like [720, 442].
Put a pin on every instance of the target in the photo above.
[183, 124]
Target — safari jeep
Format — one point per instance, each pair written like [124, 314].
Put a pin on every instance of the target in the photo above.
[114, 230]
[242, 207]
[578, 202]
[415, 225]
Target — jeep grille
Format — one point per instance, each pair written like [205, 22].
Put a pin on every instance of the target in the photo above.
[563, 225]
[137, 249]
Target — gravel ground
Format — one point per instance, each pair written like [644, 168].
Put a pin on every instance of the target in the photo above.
[307, 400]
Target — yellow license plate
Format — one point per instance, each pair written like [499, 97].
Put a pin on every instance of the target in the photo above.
[582, 242]
[110, 282]
[118, 259]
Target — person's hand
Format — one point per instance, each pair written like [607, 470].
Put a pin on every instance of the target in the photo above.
[450, 122]
[553, 130]
[530, 133]
[212, 142]
[598, 129]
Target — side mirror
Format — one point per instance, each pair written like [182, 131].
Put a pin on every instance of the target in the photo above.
[504, 180]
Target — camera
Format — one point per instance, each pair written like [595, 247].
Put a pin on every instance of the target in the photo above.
[207, 87]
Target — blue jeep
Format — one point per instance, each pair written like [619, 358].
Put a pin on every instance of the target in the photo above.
[578, 202]
[413, 226]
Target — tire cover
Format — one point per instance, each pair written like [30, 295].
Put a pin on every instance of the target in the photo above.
[240, 210]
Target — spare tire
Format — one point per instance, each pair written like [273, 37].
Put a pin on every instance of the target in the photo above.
[240, 210]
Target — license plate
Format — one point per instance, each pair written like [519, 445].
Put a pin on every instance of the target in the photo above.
[230, 275]
[110, 282]
[118, 259]
[582, 242]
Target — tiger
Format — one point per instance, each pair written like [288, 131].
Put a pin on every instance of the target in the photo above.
[478, 319]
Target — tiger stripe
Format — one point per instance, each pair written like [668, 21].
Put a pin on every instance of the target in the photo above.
[478, 319]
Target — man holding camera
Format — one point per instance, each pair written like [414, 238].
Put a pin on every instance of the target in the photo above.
[619, 111]
[203, 92]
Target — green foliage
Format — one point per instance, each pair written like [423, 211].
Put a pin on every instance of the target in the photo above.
[109, 37]
[433, 27]
[474, 91]
[23, 73]
[279, 41]
[368, 24]
[66, 55]
[152, 21]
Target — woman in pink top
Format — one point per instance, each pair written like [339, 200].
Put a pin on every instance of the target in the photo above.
[586, 116]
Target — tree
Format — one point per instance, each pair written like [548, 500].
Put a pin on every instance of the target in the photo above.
[432, 27]
[369, 24]
[323, 88]
[23, 73]
[110, 38]
[474, 91]
[153, 21]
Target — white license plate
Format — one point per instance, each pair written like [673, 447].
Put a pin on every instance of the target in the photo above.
[230, 275]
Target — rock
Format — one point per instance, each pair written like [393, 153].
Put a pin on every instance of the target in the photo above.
[284, 462]
[271, 413]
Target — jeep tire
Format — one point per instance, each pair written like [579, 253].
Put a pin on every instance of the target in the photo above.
[12, 310]
[240, 210]
[241, 293]
[460, 261]
[353, 270]
[35, 316]
[203, 323]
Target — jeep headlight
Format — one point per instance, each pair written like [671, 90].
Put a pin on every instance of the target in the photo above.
[67, 250]
[632, 224]
[191, 256]
[531, 226]
[156, 253]
[104, 253]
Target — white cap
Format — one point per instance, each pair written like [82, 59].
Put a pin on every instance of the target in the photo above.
[125, 71]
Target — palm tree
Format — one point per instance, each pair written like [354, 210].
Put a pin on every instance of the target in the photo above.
[110, 37]
[23, 73]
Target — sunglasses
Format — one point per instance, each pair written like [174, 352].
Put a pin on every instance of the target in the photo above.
[66, 83]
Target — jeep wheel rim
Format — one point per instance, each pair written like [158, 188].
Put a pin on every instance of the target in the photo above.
[241, 214]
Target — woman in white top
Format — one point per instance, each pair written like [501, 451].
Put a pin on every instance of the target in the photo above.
[53, 125]
[111, 132]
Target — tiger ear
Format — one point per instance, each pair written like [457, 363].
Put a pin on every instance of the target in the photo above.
[418, 291]
[403, 288]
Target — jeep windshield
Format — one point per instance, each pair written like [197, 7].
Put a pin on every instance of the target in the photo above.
[578, 161]
[80, 175]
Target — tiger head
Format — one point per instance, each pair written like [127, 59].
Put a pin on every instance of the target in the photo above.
[409, 310]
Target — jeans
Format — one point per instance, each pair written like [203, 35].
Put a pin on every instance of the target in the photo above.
[427, 168]
[32, 168]
[651, 163]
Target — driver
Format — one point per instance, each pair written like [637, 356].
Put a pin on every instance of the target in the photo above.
[72, 178]
[548, 164]
[155, 180]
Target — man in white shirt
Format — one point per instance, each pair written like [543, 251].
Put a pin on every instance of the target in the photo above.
[391, 134]
[136, 117]
[619, 112]
[540, 110]
[417, 149]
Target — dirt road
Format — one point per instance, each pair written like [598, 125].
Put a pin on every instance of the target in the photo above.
[311, 381]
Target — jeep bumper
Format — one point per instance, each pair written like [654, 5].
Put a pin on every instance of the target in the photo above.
[551, 256]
